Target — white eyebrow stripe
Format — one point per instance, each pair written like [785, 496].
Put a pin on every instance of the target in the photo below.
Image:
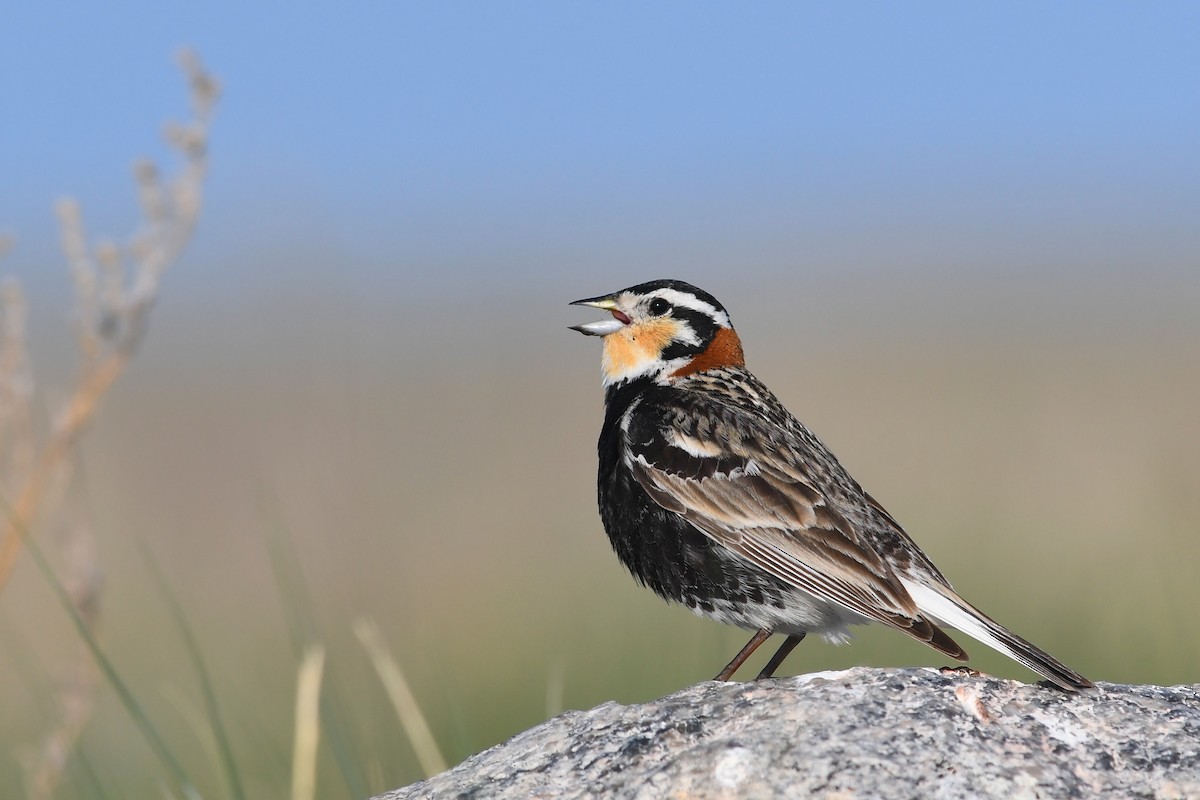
[690, 301]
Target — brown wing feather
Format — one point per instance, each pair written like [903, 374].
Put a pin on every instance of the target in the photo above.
[741, 483]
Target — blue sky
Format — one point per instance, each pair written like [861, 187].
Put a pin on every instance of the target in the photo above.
[451, 141]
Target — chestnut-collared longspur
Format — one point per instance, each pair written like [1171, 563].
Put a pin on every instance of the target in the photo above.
[716, 497]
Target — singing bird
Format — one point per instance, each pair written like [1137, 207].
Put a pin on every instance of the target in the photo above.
[715, 496]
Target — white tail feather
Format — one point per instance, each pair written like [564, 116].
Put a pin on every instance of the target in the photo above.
[949, 609]
[942, 609]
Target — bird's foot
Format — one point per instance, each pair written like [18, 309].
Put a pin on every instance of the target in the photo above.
[962, 672]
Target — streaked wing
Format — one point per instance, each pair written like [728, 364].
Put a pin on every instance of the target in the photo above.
[753, 487]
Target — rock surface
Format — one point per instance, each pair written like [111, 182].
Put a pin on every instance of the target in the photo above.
[862, 733]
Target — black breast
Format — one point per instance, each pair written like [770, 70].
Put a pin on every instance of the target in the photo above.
[660, 548]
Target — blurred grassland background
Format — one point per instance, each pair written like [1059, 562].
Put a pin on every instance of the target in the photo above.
[961, 246]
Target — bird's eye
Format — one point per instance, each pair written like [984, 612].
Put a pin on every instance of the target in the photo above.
[658, 306]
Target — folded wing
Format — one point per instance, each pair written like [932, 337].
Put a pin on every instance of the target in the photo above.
[745, 482]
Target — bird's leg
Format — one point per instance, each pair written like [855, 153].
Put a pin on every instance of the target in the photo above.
[789, 644]
[752, 645]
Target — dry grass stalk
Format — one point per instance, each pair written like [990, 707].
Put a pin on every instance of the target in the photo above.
[16, 387]
[111, 315]
[83, 580]
[308, 724]
[404, 702]
[111, 311]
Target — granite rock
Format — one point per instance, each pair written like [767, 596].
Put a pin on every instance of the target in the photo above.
[861, 733]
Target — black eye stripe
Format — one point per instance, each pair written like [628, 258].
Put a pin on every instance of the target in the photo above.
[702, 325]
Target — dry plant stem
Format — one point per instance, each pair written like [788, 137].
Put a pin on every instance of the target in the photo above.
[16, 387]
[77, 696]
[308, 724]
[403, 700]
[80, 409]
[112, 313]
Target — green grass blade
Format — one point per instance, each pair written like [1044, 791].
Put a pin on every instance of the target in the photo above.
[95, 788]
[132, 706]
[211, 707]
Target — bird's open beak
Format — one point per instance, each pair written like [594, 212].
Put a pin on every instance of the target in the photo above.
[606, 326]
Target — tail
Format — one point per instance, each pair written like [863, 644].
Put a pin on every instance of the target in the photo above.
[946, 607]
